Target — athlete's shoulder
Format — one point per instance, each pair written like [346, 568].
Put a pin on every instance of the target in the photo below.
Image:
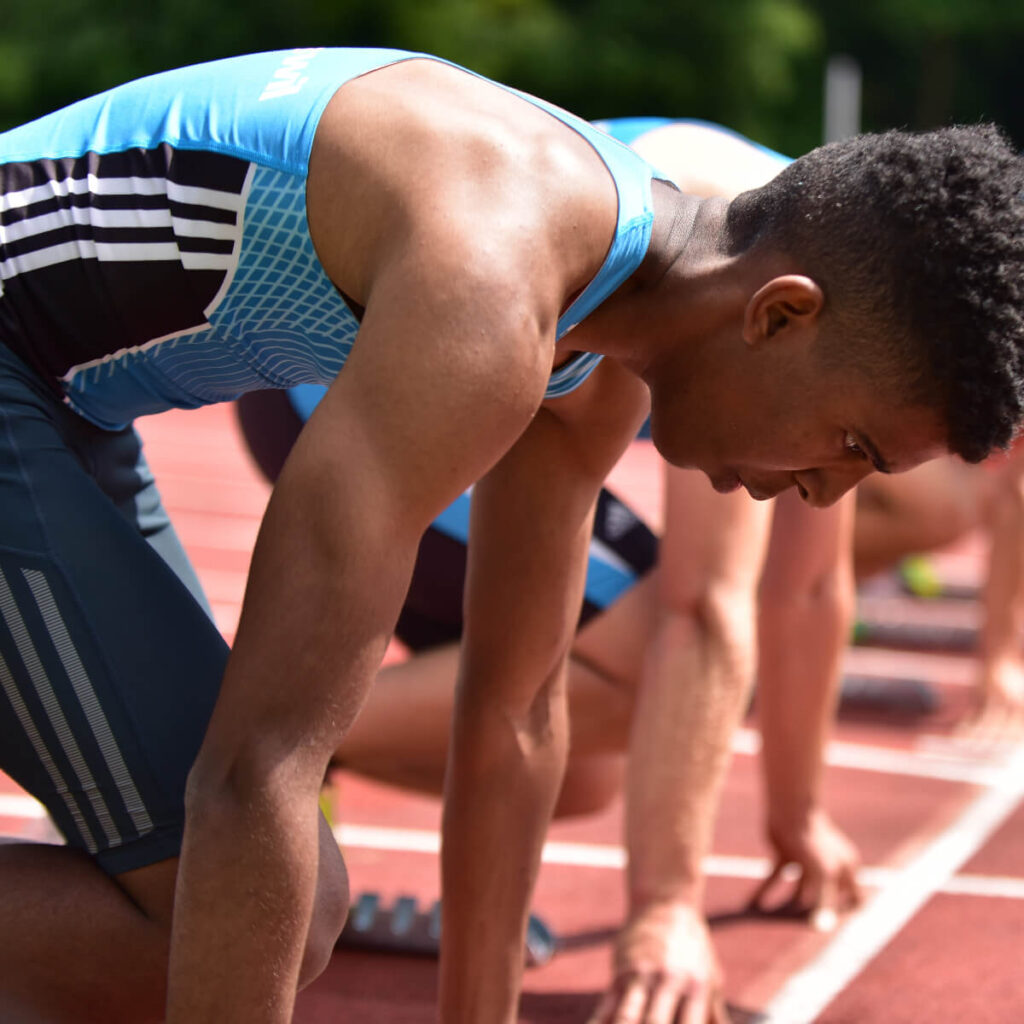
[262, 106]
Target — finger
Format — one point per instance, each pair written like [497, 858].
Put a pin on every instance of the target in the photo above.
[607, 1008]
[697, 1008]
[632, 1002]
[824, 908]
[718, 1012]
[607, 1012]
[801, 901]
[601, 1015]
[815, 889]
[760, 893]
[853, 894]
[665, 1001]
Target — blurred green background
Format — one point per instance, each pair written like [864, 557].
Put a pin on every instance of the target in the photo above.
[756, 65]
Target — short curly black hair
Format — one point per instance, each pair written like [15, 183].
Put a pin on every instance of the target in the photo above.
[923, 234]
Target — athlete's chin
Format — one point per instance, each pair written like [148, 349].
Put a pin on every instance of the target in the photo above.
[680, 455]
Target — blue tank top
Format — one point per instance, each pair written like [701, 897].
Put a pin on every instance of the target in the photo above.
[608, 575]
[169, 215]
[628, 129]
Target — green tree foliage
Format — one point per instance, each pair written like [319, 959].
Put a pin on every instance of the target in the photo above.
[731, 62]
[933, 62]
[755, 65]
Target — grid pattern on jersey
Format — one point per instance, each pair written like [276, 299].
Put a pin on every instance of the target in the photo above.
[280, 322]
[282, 309]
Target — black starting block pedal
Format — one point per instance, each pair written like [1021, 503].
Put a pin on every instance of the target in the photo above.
[916, 636]
[405, 928]
[880, 695]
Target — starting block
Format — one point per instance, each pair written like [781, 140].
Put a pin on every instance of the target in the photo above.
[405, 928]
[879, 695]
[916, 636]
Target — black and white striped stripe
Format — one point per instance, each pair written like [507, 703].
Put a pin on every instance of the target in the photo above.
[139, 205]
[138, 245]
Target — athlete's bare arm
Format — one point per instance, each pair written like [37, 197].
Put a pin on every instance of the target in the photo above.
[806, 609]
[696, 673]
[527, 561]
[463, 262]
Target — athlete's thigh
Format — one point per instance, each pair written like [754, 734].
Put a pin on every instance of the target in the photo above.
[620, 592]
[109, 667]
[613, 644]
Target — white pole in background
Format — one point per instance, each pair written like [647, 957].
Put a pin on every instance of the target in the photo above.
[842, 97]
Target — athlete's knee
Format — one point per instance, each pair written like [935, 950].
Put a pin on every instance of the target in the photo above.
[330, 908]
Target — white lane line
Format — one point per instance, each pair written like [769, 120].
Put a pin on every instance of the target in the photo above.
[927, 762]
[608, 856]
[999, 886]
[593, 855]
[864, 934]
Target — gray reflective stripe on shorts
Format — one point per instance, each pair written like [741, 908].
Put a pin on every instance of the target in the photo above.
[87, 698]
[7, 681]
[23, 641]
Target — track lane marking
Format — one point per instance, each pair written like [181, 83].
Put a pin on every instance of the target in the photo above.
[866, 932]
[20, 808]
[943, 762]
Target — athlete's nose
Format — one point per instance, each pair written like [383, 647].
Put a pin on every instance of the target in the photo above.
[821, 488]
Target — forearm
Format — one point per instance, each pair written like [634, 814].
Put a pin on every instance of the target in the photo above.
[249, 868]
[802, 636]
[696, 678]
[530, 527]
[501, 770]
[323, 592]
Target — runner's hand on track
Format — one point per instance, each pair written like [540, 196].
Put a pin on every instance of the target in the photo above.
[997, 719]
[666, 971]
[827, 861]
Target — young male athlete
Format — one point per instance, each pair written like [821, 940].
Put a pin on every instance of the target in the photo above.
[466, 255]
[662, 663]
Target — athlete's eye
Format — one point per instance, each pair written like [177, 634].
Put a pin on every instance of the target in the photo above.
[850, 444]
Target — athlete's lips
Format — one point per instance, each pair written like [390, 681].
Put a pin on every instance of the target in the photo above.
[726, 483]
[729, 481]
[758, 493]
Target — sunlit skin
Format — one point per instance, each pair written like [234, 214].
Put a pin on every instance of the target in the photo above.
[744, 388]
[823, 440]
[663, 673]
[781, 417]
[464, 220]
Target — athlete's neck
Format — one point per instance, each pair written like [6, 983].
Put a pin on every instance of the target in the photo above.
[675, 215]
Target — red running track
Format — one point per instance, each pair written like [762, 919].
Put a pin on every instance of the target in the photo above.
[940, 828]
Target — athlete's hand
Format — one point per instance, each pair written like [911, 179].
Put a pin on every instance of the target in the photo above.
[827, 861]
[997, 718]
[666, 971]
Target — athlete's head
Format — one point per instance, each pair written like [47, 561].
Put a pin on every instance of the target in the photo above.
[901, 301]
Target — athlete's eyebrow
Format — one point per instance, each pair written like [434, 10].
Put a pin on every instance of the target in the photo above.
[874, 454]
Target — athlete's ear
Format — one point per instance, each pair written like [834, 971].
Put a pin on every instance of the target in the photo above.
[787, 303]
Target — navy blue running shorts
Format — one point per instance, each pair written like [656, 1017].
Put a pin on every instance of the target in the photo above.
[109, 661]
